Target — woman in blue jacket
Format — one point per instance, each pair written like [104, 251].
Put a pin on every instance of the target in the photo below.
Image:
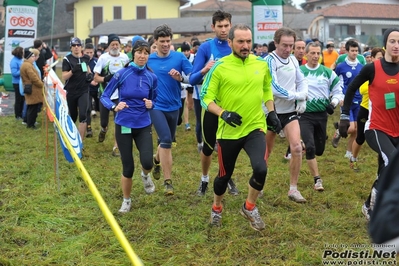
[15, 66]
[137, 94]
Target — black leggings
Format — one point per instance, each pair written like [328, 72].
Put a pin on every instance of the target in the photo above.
[198, 128]
[362, 118]
[78, 102]
[254, 144]
[143, 139]
[104, 114]
[209, 128]
[313, 132]
[19, 101]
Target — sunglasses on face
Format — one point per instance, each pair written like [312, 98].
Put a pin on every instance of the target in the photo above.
[74, 45]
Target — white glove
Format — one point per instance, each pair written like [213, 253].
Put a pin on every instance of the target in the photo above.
[301, 96]
[300, 107]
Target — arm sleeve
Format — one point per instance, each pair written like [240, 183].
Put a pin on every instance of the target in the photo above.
[267, 87]
[15, 70]
[278, 90]
[336, 87]
[66, 66]
[34, 78]
[105, 99]
[210, 87]
[363, 76]
[48, 54]
[199, 62]
[301, 82]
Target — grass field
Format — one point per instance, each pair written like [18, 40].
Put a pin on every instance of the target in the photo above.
[46, 220]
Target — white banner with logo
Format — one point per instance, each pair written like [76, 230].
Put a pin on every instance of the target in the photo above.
[266, 19]
[21, 30]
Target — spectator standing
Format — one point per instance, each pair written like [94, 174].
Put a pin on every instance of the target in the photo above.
[15, 66]
[45, 54]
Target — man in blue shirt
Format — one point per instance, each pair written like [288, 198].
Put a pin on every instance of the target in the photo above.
[208, 53]
[167, 66]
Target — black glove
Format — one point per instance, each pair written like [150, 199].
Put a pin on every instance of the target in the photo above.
[273, 121]
[108, 77]
[344, 125]
[76, 68]
[231, 118]
[89, 77]
[330, 109]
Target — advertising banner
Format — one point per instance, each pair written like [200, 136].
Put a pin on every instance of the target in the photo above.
[266, 20]
[21, 30]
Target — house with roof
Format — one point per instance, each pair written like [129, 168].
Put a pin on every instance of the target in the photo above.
[89, 14]
[364, 20]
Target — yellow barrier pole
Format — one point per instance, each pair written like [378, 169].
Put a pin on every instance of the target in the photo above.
[135, 260]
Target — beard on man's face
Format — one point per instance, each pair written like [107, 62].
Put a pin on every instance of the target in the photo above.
[114, 51]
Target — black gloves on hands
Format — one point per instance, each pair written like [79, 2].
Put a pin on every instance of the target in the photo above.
[231, 118]
[89, 77]
[108, 77]
[330, 109]
[273, 122]
[76, 68]
[344, 125]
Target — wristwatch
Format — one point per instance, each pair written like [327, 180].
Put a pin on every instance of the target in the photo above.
[113, 107]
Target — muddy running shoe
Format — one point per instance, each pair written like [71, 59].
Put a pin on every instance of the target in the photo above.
[89, 133]
[115, 152]
[101, 136]
[125, 206]
[233, 190]
[296, 196]
[216, 218]
[156, 172]
[203, 187]
[353, 164]
[254, 218]
[168, 188]
[319, 185]
[366, 212]
[336, 136]
[149, 186]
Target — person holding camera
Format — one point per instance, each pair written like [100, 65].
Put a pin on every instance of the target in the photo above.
[44, 54]
[77, 74]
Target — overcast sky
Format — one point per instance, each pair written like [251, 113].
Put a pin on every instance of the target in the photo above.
[296, 2]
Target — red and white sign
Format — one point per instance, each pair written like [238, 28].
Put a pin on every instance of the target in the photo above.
[266, 20]
[21, 30]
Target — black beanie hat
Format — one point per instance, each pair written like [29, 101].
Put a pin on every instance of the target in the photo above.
[27, 53]
[185, 47]
[113, 37]
[386, 34]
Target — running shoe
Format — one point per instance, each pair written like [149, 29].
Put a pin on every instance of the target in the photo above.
[366, 212]
[296, 196]
[199, 147]
[203, 187]
[287, 156]
[319, 185]
[89, 133]
[168, 187]
[373, 197]
[188, 128]
[115, 152]
[353, 164]
[233, 190]
[101, 136]
[336, 136]
[216, 218]
[156, 172]
[254, 218]
[125, 206]
[149, 186]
